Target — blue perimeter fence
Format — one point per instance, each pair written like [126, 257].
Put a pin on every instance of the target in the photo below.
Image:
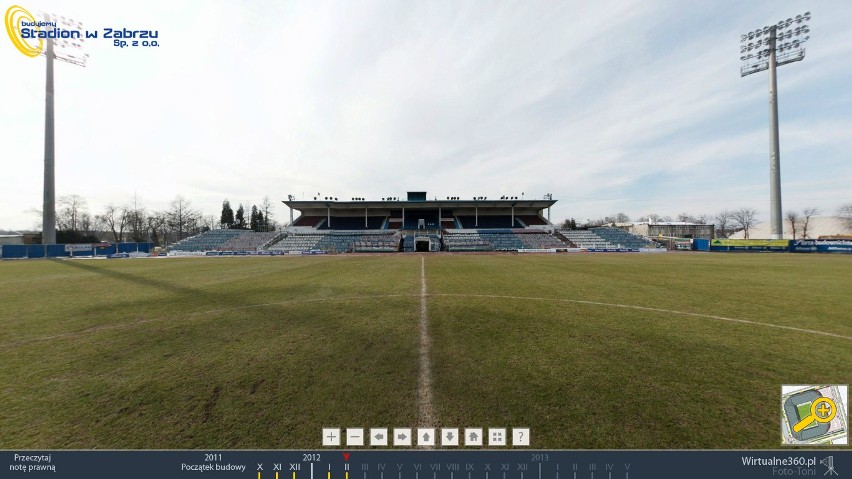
[21, 251]
[792, 246]
[18, 251]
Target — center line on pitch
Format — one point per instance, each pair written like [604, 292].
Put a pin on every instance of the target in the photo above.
[425, 411]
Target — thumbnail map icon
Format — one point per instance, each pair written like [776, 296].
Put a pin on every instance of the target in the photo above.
[814, 415]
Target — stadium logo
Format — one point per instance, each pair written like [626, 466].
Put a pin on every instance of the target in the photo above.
[16, 18]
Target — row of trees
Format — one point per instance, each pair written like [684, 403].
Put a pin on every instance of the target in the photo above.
[727, 222]
[260, 219]
[132, 221]
[744, 219]
[127, 222]
[802, 220]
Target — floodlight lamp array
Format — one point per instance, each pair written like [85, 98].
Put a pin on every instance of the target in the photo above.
[70, 50]
[786, 38]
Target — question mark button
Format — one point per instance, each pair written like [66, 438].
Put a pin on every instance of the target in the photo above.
[521, 436]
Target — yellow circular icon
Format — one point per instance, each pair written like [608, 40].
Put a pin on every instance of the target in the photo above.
[822, 410]
[824, 413]
[14, 16]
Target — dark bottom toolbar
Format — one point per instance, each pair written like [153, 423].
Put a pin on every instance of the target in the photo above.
[426, 464]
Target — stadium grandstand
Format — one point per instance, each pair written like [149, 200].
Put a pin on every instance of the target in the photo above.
[326, 225]
[417, 223]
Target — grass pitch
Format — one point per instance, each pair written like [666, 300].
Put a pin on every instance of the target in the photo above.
[264, 352]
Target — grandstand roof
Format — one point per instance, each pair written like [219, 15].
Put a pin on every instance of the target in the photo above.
[539, 204]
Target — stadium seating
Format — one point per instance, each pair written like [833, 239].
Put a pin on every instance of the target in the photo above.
[207, 241]
[466, 241]
[539, 240]
[376, 243]
[622, 238]
[296, 242]
[339, 242]
[249, 241]
[587, 239]
[502, 240]
[347, 242]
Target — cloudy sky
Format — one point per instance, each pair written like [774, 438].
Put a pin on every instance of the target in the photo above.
[633, 106]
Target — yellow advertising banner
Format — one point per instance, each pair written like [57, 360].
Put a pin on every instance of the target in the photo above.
[750, 242]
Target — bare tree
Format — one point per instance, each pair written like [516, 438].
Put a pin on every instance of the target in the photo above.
[181, 218]
[568, 224]
[86, 223]
[744, 218]
[702, 219]
[157, 226]
[685, 218]
[70, 209]
[210, 222]
[616, 218]
[135, 218]
[793, 217]
[807, 214]
[269, 221]
[115, 220]
[653, 217]
[723, 220]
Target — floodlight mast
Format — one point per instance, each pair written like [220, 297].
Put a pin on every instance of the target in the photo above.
[48, 225]
[775, 221]
[796, 53]
[66, 53]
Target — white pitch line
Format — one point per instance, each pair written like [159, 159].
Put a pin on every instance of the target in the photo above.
[425, 411]
[655, 310]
